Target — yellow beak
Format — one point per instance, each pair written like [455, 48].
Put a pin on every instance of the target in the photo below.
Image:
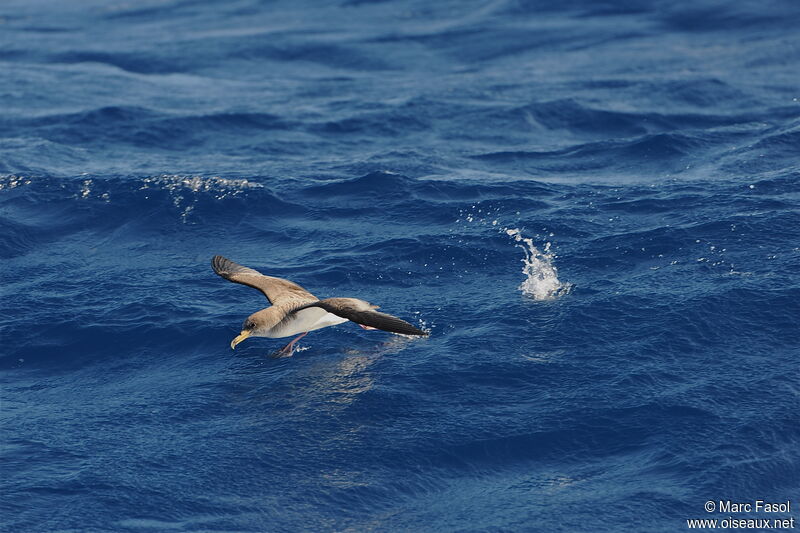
[242, 336]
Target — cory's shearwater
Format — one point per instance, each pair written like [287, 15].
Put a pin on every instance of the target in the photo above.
[295, 310]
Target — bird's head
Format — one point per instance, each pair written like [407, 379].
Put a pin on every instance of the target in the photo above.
[248, 328]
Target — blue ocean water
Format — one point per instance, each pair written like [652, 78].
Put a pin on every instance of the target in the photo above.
[592, 207]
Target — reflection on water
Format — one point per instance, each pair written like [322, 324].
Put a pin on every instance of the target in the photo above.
[343, 382]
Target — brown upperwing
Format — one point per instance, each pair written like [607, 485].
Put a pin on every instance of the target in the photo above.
[277, 290]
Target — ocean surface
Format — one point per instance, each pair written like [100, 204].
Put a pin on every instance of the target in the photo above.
[592, 206]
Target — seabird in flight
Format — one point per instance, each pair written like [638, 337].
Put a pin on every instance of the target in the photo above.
[295, 310]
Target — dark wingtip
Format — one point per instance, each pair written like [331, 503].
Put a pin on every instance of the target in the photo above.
[409, 329]
[398, 325]
[219, 263]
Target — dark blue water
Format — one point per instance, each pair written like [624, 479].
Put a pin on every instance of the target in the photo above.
[442, 160]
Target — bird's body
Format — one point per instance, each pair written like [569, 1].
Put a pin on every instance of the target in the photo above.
[277, 322]
[295, 311]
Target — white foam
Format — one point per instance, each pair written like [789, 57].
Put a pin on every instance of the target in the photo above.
[541, 276]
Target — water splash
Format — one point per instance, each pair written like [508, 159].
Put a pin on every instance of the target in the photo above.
[541, 276]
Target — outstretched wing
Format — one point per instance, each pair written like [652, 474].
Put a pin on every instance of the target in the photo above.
[277, 290]
[362, 312]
